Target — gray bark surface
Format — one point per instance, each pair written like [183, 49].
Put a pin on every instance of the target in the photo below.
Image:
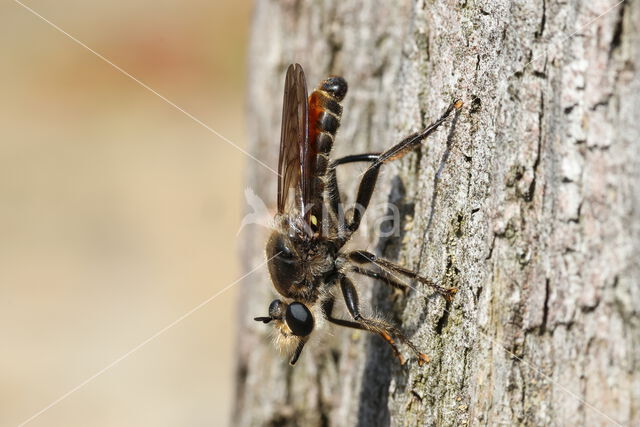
[527, 202]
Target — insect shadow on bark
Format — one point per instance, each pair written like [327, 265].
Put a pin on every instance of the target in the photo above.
[376, 377]
[426, 233]
[436, 181]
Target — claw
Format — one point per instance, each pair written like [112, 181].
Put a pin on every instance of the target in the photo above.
[422, 359]
[401, 359]
[450, 293]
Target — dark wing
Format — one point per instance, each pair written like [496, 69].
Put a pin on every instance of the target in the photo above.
[293, 137]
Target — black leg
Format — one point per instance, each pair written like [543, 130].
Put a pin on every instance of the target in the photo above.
[366, 157]
[296, 353]
[332, 180]
[328, 309]
[368, 182]
[367, 258]
[412, 141]
[383, 277]
[365, 191]
[382, 328]
[334, 193]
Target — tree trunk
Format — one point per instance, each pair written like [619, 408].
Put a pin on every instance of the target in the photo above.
[526, 202]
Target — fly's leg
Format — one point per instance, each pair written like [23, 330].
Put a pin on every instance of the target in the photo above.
[383, 277]
[412, 141]
[380, 327]
[370, 177]
[365, 157]
[333, 189]
[332, 182]
[367, 258]
[296, 353]
[328, 309]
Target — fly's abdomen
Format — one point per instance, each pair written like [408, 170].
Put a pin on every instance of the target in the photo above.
[324, 119]
[325, 112]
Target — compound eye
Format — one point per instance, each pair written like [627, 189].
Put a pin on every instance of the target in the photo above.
[299, 319]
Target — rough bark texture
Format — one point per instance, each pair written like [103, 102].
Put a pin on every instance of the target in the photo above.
[528, 203]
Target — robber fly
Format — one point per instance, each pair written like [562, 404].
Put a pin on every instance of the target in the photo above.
[305, 252]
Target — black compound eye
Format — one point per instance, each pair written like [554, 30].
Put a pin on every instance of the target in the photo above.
[299, 319]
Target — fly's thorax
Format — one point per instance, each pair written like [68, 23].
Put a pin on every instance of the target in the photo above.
[298, 264]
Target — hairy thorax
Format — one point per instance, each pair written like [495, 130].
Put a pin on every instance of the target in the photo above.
[299, 262]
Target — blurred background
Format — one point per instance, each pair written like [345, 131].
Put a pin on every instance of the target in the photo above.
[118, 213]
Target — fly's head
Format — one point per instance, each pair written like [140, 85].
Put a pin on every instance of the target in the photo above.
[294, 323]
[293, 320]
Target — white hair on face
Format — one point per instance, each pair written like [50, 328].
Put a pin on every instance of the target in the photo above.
[282, 337]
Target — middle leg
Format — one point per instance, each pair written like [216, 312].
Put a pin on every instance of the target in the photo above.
[382, 276]
[367, 258]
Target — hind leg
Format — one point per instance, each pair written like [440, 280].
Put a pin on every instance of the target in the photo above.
[370, 176]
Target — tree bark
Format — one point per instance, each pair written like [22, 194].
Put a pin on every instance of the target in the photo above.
[527, 202]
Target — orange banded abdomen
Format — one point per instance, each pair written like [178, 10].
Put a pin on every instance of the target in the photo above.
[325, 112]
[324, 119]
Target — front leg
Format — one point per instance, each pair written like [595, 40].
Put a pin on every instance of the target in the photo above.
[297, 352]
[380, 327]
[328, 314]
